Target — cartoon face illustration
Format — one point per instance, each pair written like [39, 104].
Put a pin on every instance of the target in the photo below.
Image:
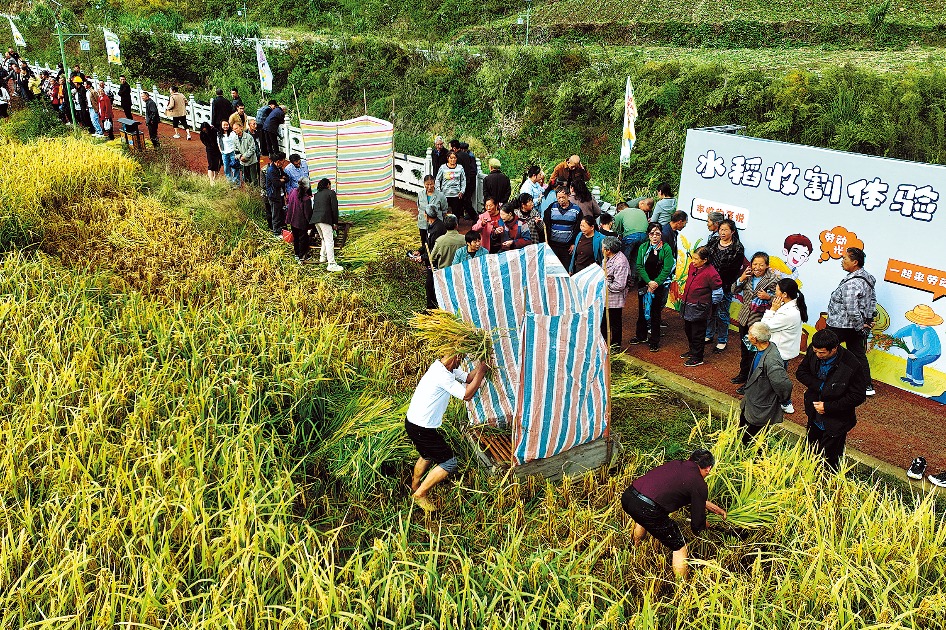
[796, 250]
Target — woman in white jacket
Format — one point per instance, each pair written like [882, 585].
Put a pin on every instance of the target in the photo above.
[784, 318]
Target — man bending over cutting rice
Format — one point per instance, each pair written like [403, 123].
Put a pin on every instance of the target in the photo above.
[653, 497]
[425, 415]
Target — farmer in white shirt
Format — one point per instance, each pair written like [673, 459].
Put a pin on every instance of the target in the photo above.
[425, 414]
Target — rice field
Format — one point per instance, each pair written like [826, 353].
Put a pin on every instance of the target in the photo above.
[199, 433]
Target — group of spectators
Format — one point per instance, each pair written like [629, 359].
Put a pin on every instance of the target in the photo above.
[91, 102]
[638, 250]
[235, 142]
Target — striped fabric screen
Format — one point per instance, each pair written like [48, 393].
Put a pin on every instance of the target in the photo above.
[365, 163]
[320, 140]
[551, 385]
[357, 155]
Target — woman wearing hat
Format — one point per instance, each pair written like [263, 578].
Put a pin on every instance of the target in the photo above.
[924, 346]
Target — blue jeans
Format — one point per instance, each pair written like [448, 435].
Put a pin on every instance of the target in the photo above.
[720, 320]
[915, 367]
[630, 243]
[230, 167]
[94, 115]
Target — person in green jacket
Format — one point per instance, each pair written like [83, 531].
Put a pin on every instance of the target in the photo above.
[441, 256]
[655, 265]
[246, 155]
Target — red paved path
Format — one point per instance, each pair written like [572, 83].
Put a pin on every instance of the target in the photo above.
[894, 426]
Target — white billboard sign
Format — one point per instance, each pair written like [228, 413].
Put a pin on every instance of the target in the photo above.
[807, 206]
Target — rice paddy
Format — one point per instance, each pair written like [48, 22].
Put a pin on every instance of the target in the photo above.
[198, 433]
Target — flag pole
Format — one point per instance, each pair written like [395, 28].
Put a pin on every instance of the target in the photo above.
[296, 97]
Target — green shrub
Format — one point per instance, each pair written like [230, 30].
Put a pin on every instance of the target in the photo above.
[36, 120]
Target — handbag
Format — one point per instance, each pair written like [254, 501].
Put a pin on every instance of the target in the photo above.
[695, 312]
[287, 235]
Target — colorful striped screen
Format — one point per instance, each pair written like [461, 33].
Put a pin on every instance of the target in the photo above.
[358, 155]
[320, 140]
[551, 385]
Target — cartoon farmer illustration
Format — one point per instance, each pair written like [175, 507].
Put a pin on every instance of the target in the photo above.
[924, 346]
[796, 251]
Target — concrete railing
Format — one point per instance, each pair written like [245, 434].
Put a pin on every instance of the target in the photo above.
[280, 44]
[409, 170]
[290, 138]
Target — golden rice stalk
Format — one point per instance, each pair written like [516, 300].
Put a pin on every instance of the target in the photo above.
[445, 333]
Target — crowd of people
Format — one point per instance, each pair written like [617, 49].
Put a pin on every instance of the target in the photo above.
[91, 102]
[638, 249]
[235, 143]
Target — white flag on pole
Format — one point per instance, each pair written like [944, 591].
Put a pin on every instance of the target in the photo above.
[17, 36]
[628, 135]
[112, 47]
[265, 74]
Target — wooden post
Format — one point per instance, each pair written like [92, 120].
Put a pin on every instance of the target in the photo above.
[607, 372]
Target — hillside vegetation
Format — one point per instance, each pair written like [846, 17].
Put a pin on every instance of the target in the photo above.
[863, 81]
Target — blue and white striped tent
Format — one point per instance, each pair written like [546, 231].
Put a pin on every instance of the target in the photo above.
[552, 379]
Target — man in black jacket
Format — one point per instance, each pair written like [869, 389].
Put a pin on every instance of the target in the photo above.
[497, 184]
[220, 109]
[836, 383]
[151, 118]
[271, 126]
[438, 155]
[124, 96]
[435, 229]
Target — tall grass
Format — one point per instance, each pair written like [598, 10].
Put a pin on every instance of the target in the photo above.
[230, 456]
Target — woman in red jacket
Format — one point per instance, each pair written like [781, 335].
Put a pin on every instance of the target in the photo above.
[298, 213]
[105, 112]
[697, 303]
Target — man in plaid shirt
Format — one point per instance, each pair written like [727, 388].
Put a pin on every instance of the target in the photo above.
[852, 308]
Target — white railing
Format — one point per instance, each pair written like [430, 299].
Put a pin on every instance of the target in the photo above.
[290, 138]
[281, 44]
[409, 170]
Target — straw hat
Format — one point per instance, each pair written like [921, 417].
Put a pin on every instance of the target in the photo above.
[923, 315]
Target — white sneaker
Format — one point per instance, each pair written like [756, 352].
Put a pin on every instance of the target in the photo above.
[870, 390]
[335, 267]
[176, 136]
[788, 408]
[188, 136]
